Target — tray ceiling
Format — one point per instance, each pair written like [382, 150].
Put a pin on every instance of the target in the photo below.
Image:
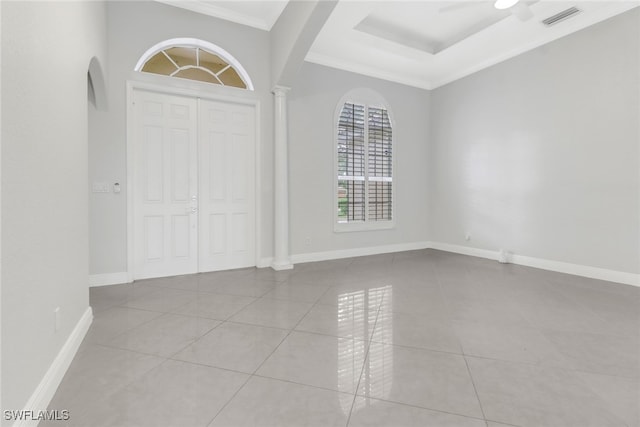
[431, 43]
[420, 43]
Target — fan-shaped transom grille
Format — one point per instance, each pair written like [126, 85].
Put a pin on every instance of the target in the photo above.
[194, 63]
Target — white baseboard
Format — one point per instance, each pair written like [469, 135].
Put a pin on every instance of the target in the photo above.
[465, 250]
[545, 264]
[579, 270]
[264, 262]
[355, 252]
[282, 267]
[41, 397]
[108, 279]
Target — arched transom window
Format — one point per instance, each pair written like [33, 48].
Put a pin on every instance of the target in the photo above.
[194, 60]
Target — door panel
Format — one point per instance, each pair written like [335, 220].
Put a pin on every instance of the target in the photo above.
[240, 152]
[152, 168]
[217, 233]
[180, 165]
[227, 191]
[217, 166]
[239, 232]
[153, 238]
[165, 224]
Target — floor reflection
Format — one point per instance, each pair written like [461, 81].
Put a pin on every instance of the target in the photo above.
[362, 315]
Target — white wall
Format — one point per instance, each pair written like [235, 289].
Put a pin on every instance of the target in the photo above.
[312, 105]
[46, 50]
[1, 210]
[540, 154]
[133, 27]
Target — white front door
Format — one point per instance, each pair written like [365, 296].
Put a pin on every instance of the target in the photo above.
[166, 180]
[194, 185]
[227, 186]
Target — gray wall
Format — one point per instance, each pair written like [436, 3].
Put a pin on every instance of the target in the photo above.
[44, 182]
[312, 105]
[133, 27]
[539, 154]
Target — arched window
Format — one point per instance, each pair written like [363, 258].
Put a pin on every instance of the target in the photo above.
[364, 163]
[195, 60]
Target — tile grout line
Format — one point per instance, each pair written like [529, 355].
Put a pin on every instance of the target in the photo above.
[142, 374]
[165, 359]
[366, 355]
[441, 274]
[163, 314]
[475, 390]
[221, 322]
[310, 385]
[529, 324]
[159, 315]
[466, 363]
[250, 376]
[288, 334]
[227, 320]
[342, 392]
[541, 330]
[301, 384]
[169, 357]
[313, 333]
[230, 399]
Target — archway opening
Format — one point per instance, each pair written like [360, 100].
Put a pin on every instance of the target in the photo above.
[96, 86]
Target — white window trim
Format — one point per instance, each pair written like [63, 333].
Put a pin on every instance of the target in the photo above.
[369, 98]
[190, 42]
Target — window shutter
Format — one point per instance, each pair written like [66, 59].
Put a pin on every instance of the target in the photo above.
[365, 164]
[351, 163]
[380, 165]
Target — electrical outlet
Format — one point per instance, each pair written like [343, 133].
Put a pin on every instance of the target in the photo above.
[307, 241]
[467, 236]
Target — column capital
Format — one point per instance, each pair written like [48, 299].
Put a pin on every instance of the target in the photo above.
[280, 90]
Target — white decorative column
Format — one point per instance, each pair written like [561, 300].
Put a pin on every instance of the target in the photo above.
[281, 260]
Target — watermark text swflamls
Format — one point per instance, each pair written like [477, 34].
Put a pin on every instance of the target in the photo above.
[49, 415]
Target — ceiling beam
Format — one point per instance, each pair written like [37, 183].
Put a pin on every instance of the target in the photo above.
[293, 34]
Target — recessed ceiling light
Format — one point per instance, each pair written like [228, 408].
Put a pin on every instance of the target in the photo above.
[504, 4]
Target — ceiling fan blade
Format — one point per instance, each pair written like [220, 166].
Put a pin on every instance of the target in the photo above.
[521, 11]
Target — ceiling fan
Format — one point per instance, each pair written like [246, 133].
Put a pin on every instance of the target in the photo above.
[519, 9]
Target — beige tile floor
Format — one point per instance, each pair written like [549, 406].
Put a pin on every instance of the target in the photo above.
[422, 338]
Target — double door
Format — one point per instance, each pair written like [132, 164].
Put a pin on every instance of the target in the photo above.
[194, 185]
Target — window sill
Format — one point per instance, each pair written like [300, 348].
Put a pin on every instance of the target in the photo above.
[363, 226]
